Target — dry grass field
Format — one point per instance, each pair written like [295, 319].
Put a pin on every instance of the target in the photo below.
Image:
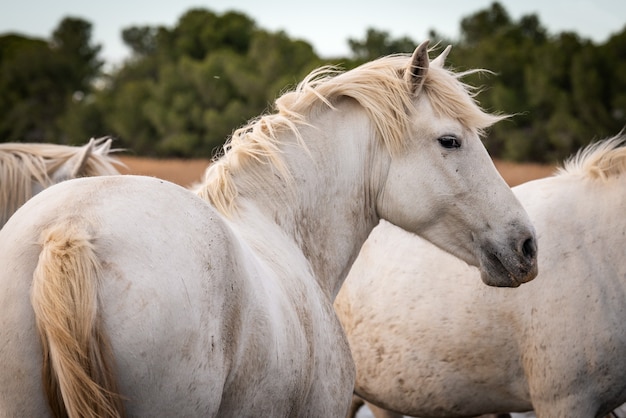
[187, 172]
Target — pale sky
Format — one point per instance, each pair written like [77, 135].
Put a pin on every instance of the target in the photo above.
[325, 24]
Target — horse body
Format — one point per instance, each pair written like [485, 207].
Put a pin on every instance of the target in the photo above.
[200, 334]
[187, 308]
[432, 342]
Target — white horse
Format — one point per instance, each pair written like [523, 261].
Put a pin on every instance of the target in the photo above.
[143, 297]
[28, 168]
[430, 341]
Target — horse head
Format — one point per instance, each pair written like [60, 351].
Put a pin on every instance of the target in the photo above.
[457, 200]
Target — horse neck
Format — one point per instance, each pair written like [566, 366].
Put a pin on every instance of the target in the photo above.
[328, 211]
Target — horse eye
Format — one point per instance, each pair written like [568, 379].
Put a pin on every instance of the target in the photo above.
[449, 141]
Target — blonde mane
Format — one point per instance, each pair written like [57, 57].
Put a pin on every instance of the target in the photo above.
[599, 161]
[378, 86]
[23, 163]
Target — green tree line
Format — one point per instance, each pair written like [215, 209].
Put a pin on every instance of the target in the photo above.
[185, 88]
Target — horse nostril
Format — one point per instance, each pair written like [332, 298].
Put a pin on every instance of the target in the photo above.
[529, 248]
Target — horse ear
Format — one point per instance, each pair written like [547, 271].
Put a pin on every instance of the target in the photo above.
[415, 73]
[103, 146]
[75, 165]
[80, 159]
[441, 59]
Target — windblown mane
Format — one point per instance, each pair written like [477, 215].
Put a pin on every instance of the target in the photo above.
[378, 86]
[23, 163]
[599, 160]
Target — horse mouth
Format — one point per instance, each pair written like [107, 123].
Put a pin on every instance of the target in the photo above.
[501, 270]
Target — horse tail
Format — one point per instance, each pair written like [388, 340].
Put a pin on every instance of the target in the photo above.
[78, 376]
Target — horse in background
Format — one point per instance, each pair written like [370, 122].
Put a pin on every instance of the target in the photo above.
[28, 168]
[175, 305]
[431, 342]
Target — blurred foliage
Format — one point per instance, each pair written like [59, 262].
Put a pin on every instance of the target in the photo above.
[39, 79]
[185, 88]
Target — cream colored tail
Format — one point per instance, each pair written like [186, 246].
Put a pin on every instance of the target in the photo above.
[77, 359]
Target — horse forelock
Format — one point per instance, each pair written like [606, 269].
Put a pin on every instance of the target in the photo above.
[600, 160]
[378, 86]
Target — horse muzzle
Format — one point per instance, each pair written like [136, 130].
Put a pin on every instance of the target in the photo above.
[509, 266]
